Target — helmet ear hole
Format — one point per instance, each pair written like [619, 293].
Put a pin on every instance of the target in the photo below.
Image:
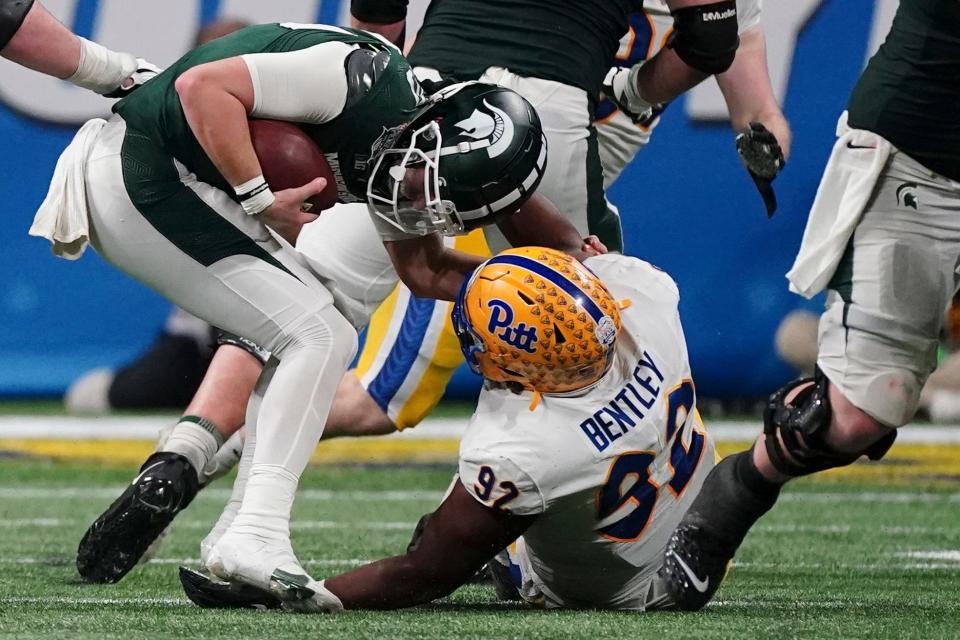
[559, 337]
[525, 298]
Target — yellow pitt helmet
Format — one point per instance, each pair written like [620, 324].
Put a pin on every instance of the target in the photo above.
[537, 317]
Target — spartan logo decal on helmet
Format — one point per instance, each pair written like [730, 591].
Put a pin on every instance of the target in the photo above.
[538, 318]
[498, 129]
[473, 153]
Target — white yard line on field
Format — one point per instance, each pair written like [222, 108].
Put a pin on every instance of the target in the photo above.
[353, 562]
[63, 561]
[147, 428]
[379, 525]
[53, 493]
[54, 600]
[10, 492]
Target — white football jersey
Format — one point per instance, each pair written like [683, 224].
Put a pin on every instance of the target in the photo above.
[609, 473]
[618, 136]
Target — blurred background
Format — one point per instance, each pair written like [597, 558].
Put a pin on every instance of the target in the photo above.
[687, 204]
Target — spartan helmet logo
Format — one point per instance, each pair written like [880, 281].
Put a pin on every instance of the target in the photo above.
[498, 128]
[907, 195]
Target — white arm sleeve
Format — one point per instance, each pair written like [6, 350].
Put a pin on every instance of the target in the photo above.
[307, 85]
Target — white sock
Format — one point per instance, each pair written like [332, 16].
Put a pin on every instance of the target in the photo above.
[236, 497]
[100, 69]
[196, 439]
[267, 501]
[225, 459]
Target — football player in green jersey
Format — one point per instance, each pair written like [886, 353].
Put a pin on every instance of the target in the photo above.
[175, 197]
[883, 238]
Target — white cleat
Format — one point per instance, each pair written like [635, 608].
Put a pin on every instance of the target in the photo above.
[251, 559]
[269, 564]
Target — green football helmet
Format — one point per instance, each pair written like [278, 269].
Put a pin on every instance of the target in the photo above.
[473, 153]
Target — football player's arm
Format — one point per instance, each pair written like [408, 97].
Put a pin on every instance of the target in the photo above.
[700, 46]
[217, 98]
[32, 37]
[458, 539]
[385, 17]
[429, 268]
[539, 223]
[748, 93]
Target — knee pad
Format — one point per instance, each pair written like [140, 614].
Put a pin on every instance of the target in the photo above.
[794, 433]
[251, 347]
[706, 37]
[12, 14]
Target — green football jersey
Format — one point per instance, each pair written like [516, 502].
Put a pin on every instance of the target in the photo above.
[568, 41]
[910, 90]
[155, 108]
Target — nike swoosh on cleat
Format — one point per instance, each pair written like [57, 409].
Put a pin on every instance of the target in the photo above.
[698, 584]
[850, 145]
[142, 473]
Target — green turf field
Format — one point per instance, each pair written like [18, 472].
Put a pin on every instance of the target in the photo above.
[833, 560]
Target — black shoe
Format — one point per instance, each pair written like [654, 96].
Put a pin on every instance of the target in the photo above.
[210, 593]
[694, 565]
[117, 540]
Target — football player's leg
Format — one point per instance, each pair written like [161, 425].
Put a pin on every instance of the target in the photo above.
[409, 356]
[878, 340]
[208, 435]
[573, 180]
[220, 402]
[192, 243]
[405, 364]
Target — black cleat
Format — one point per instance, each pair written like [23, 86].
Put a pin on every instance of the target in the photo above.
[211, 593]
[694, 565]
[117, 540]
[733, 497]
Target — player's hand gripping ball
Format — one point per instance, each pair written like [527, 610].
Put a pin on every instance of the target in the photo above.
[290, 159]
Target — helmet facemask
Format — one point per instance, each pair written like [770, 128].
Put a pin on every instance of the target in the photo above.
[389, 182]
[481, 151]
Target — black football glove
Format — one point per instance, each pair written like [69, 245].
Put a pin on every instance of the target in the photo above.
[762, 156]
[145, 71]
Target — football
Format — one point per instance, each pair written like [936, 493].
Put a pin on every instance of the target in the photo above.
[289, 158]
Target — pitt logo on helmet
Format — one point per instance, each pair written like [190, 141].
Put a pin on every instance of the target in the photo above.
[520, 336]
[539, 318]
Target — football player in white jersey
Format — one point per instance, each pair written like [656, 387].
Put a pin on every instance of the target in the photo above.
[745, 86]
[585, 450]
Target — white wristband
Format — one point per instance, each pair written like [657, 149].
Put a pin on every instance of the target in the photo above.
[254, 195]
